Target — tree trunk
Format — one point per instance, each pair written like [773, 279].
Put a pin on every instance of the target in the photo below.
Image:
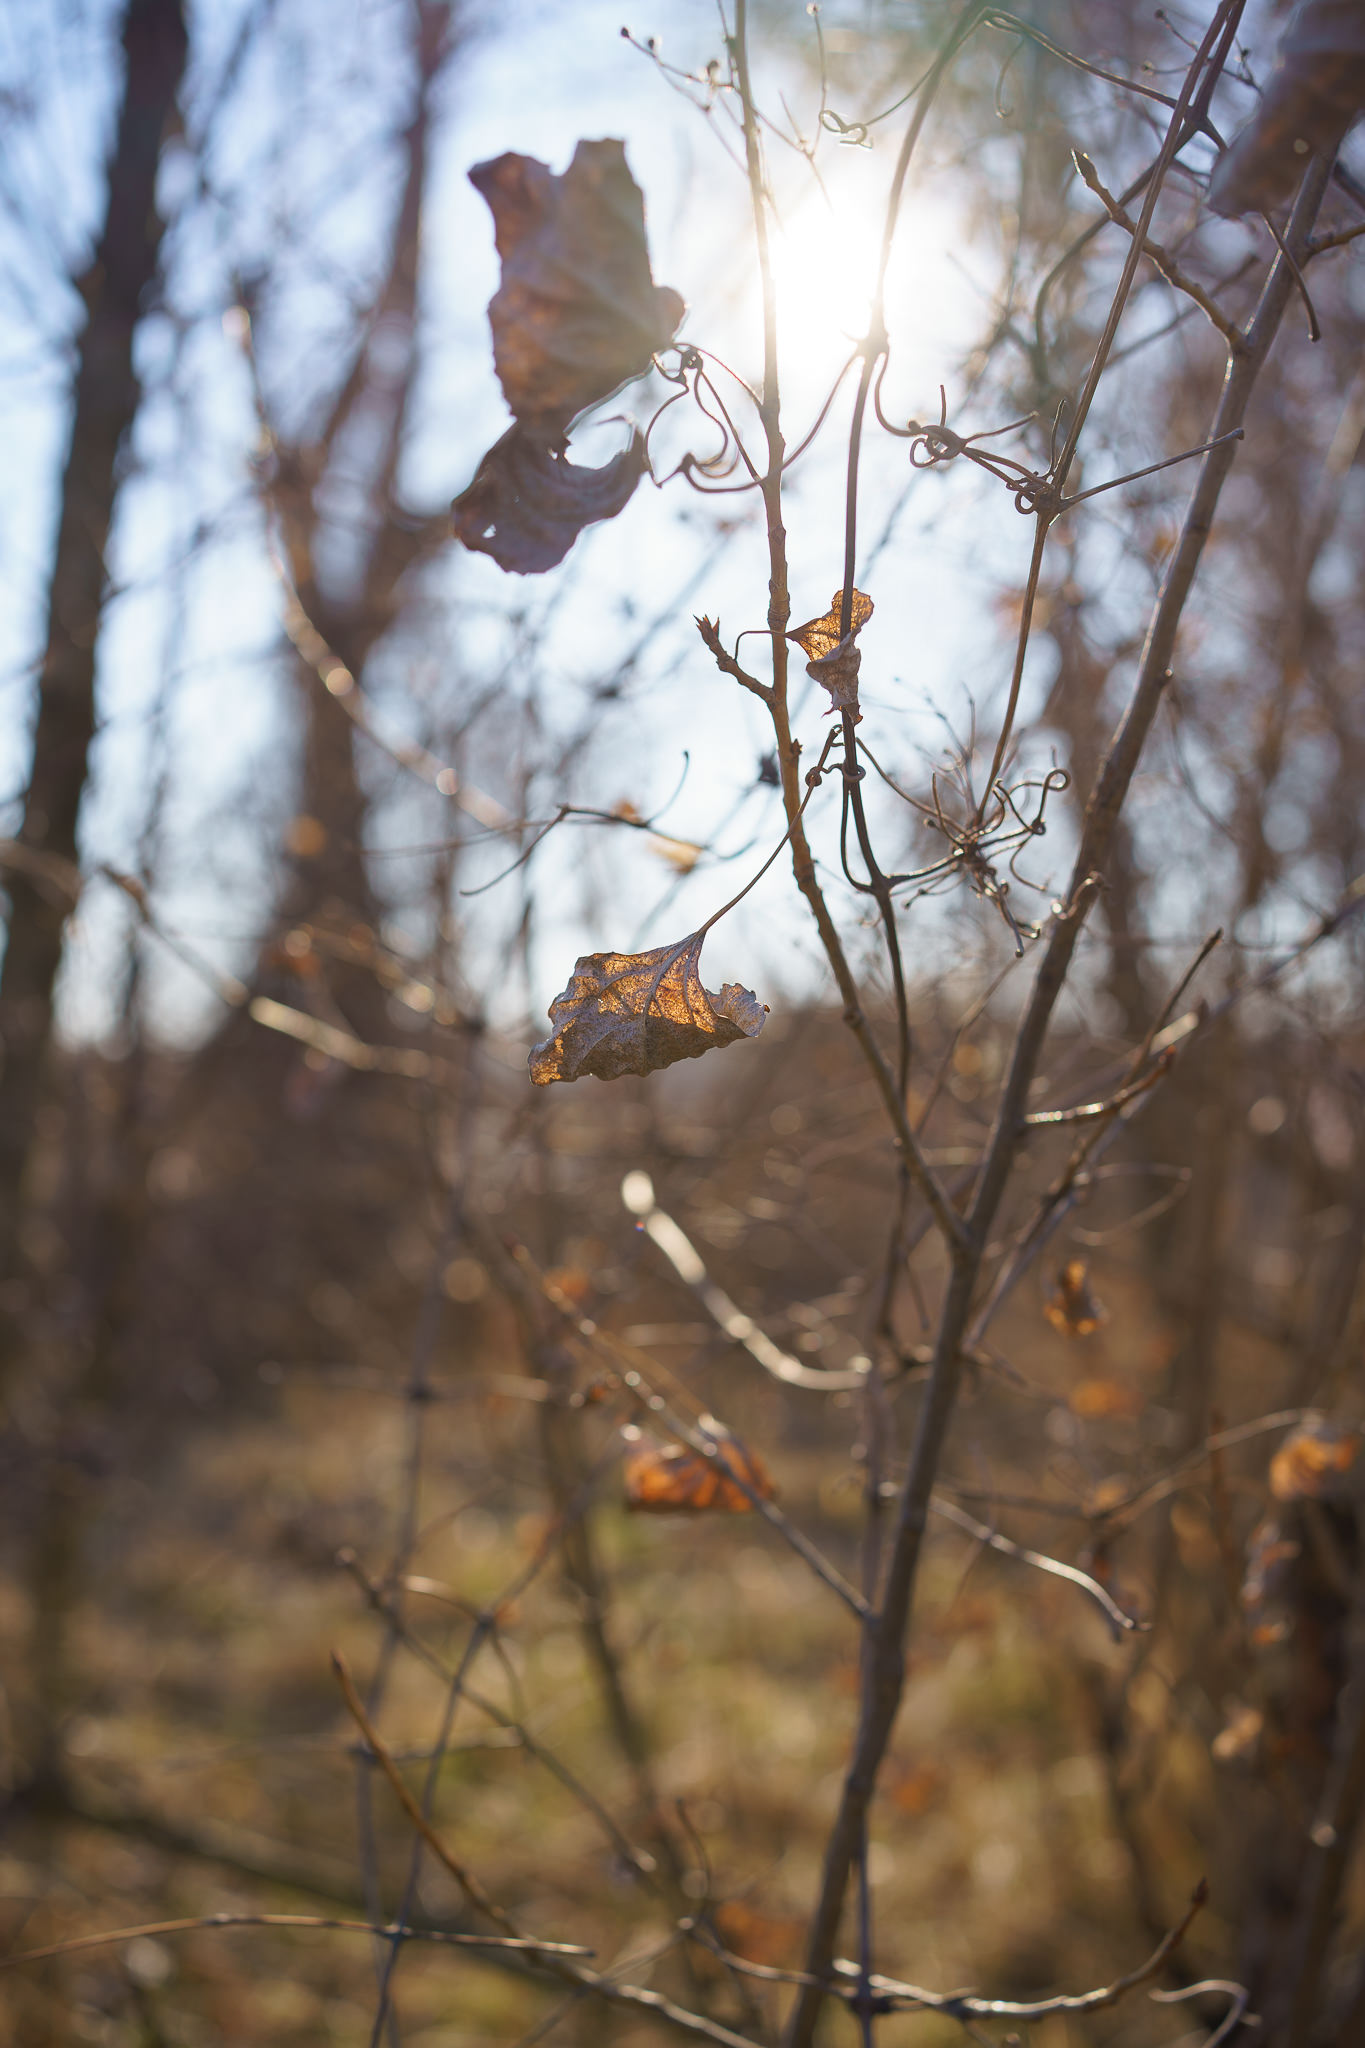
[42, 889]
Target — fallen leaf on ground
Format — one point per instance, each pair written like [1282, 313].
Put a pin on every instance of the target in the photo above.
[528, 503]
[833, 660]
[674, 1479]
[633, 1013]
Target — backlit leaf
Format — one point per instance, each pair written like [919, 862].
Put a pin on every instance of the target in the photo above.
[633, 1013]
[577, 311]
[833, 660]
[528, 503]
[673, 1479]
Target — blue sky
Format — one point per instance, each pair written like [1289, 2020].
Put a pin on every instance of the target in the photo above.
[301, 169]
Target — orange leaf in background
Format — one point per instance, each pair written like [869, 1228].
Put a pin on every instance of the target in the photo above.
[1094, 1400]
[1311, 1463]
[305, 837]
[771, 1938]
[577, 314]
[681, 855]
[675, 1479]
[1073, 1309]
[573, 1282]
[597, 1391]
[834, 661]
[915, 1791]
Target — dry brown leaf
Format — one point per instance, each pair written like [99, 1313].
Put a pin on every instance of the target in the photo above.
[674, 1479]
[633, 1013]
[577, 311]
[1072, 1308]
[1312, 1463]
[528, 503]
[576, 314]
[1312, 96]
[834, 661]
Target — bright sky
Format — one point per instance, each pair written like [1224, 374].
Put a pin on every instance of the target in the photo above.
[189, 671]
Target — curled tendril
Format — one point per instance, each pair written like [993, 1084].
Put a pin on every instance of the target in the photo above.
[935, 442]
[1005, 825]
[688, 369]
[854, 133]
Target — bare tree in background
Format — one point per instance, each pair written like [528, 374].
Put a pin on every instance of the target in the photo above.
[762, 1776]
[42, 869]
[354, 452]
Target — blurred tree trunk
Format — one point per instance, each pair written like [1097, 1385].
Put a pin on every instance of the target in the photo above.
[359, 443]
[43, 875]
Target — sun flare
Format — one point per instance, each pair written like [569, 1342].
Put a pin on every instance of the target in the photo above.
[824, 270]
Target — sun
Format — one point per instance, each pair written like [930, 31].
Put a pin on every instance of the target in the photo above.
[824, 258]
[826, 250]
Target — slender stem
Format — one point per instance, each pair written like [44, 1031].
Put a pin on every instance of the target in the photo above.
[1206, 65]
[882, 1693]
[1208, 60]
[1035, 569]
[779, 613]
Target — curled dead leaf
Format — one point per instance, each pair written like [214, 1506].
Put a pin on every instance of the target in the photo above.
[577, 312]
[674, 1479]
[1317, 1461]
[1072, 1308]
[633, 1013]
[528, 503]
[833, 660]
